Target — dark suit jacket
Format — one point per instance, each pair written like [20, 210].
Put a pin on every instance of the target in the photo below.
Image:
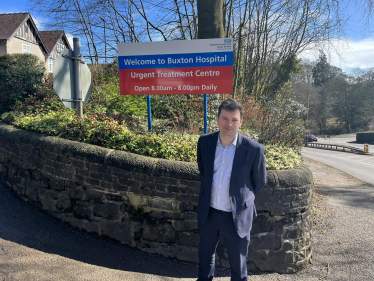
[248, 176]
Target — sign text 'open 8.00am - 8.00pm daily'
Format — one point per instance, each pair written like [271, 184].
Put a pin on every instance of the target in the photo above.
[176, 67]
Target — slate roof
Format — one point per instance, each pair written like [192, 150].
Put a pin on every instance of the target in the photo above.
[50, 38]
[9, 24]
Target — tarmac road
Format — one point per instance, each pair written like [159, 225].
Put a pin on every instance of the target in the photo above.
[35, 246]
[358, 165]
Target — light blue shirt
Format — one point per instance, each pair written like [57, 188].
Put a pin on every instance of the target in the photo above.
[223, 160]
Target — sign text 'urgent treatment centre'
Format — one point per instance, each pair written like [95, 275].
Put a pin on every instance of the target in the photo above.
[202, 66]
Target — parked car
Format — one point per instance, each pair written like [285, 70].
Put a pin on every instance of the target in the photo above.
[312, 138]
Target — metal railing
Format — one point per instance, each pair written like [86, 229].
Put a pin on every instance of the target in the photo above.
[338, 147]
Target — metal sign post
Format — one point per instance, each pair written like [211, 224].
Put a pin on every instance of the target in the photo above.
[72, 78]
[78, 91]
[149, 113]
[205, 114]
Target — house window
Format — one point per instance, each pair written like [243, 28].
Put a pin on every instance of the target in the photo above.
[50, 65]
[26, 28]
[60, 47]
[26, 49]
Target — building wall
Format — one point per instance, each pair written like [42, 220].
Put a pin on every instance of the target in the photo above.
[27, 32]
[14, 46]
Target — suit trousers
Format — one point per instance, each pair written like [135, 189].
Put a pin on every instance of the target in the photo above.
[237, 247]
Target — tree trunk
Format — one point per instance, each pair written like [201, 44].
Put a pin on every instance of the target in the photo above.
[210, 23]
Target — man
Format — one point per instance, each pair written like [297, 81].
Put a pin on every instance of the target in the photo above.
[233, 171]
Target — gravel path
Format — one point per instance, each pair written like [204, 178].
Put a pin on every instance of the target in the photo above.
[35, 246]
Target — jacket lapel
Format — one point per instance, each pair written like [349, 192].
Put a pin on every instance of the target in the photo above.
[212, 145]
[239, 157]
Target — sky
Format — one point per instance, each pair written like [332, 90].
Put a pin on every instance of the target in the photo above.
[356, 51]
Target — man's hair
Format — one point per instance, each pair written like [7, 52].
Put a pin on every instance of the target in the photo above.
[231, 105]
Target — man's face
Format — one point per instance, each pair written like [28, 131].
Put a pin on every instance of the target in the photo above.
[229, 123]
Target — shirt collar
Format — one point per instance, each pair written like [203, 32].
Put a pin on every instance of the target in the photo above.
[233, 143]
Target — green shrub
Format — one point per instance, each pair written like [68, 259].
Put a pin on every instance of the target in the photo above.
[20, 76]
[117, 122]
[105, 131]
[106, 98]
[184, 113]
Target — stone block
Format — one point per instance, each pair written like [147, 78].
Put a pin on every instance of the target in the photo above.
[272, 179]
[251, 267]
[57, 183]
[106, 185]
[63, 174]
[11, 172]
[257, 255]
[84, 211]
[288, 178]
[92, 227]
[63, 202]
[159, 232]
[48, 193]
[48, 204]
[115, 196]
[119, 187]
[187, 254]
[292, 232]
[185, 225]
[99, 168]
[79, 223]
[25, 174]
[77, 193]
[156, 193]
[164, 249]
[120, 231]
[32, 190]
[156, 215]
[172, 216]
[288, 245]
[190, 215]
[306, 176]
[92, 182]
[188, 239]
[266, 241]
[283, 190]
[94, 195]
[102, 176]
[274, 262]
[262, 223]
[108, 210]
[163, 204]
[161, 187]
[48, 170]
[19, 189]
[122, 174]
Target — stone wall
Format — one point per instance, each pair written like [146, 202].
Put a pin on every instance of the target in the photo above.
[151, 203]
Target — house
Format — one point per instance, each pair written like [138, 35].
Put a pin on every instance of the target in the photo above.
[19, 34]
[56, 41]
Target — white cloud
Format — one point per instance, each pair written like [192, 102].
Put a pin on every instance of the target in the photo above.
[345, 54]
[39, 23]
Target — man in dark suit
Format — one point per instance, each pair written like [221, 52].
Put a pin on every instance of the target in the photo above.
[233, 171]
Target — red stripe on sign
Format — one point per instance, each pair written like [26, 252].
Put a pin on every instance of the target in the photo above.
[170, 74]
[188, 80]
[177, 87]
